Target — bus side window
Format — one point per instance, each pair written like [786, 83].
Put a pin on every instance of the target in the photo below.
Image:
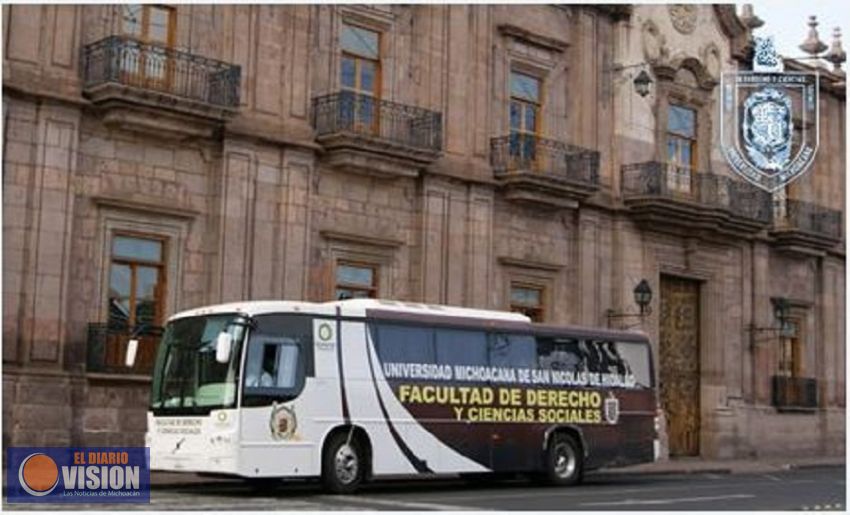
[563, 354]
[608, 359]
[512, 350]
[398, 343]
[272, 364]
[461, 347]
[296, 328]
[636, 359]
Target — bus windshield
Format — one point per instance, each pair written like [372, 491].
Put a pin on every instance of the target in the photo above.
[187, 378]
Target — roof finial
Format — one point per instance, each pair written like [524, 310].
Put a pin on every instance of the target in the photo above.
[836, 55]
[749, 18]
[813, 45]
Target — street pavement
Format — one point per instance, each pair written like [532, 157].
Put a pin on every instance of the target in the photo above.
[815, 489]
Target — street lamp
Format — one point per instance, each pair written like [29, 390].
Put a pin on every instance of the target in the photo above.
[643, 297]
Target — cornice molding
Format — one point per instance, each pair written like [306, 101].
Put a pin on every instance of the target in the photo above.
[549, 43]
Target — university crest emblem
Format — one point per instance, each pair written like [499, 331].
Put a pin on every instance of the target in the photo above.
[612, 409]
[769, 120]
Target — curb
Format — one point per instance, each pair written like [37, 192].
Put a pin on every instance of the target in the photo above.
[667, 472]
[804, 466]
[759, 469]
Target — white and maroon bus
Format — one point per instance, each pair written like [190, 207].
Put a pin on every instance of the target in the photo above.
[363, 388]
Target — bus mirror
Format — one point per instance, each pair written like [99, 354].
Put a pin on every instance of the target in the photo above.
[222, 347]
[130, 357]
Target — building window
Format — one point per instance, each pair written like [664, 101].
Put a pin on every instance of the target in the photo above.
[155, 25]
[356, 281]
[360, 73]
[527, 300]
[791, 350]
[136, 281]
[150, 23]
[524, 116]
[681, 147]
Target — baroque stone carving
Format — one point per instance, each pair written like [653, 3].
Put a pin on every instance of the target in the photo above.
[684, 17]
[712, 60]
[654, 43]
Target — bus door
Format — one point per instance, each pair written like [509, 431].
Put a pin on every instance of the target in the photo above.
[276, 410]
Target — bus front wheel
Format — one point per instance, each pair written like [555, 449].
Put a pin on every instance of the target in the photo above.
[342, 464]
[564, 461]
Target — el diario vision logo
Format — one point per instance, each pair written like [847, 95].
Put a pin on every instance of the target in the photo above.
[78, 474]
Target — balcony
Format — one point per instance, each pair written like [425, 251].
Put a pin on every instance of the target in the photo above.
[795, 393]
[153, 88]
[667, 197]
[368, 135]
[542, 172]
[805, 227]
[107, 349]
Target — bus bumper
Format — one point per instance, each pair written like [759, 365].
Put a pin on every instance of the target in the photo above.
[206, 446]
[214, 460]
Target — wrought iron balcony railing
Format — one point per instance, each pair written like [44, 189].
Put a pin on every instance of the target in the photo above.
[808, 217]
[107, 348]
[795, 392]
[129, 62]
[664, 180]
[554, 159]
[378, 120]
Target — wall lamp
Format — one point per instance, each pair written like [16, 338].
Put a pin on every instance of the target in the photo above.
[781, 310]
[642, 82]
[643, 297]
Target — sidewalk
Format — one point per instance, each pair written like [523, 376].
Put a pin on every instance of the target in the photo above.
[679, 466]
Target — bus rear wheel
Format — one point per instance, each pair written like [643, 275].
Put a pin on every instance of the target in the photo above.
[564, 462]
[342, 464]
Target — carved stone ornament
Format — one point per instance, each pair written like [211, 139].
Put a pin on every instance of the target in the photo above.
[712, 60]
[684, 17]
[654, 44]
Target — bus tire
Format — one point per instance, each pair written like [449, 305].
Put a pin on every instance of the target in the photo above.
[343, 464]
[564, 461]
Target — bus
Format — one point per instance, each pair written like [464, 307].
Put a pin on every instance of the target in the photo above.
[352, 390]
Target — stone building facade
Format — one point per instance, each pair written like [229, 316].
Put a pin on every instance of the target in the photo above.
[160, 158]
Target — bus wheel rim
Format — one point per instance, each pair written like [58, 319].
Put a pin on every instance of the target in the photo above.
[565, 461]
[346, 464]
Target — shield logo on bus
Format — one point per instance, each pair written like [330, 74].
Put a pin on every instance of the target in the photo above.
[769, 120]
[612, 409]
[282, 422]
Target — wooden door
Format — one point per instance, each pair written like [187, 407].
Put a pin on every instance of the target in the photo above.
[679, 347]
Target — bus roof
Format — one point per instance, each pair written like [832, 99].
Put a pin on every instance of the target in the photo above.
[350, 307]
[405, 311]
